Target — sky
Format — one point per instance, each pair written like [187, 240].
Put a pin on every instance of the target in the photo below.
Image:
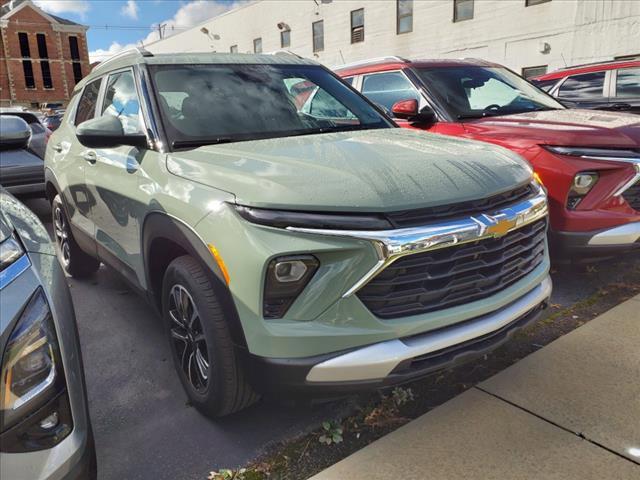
[115, 25]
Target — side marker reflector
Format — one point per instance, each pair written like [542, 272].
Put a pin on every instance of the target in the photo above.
[220, 262]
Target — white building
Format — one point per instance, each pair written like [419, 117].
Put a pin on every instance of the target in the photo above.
[522, 34]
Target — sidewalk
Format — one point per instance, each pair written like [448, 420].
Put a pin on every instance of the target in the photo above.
[569, 411]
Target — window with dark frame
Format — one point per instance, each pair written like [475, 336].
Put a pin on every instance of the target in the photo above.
[233, 49]
[73, 48]
[42, 45]
[404, 15]
[318, 35]
[87, 104]
[357, 26]
[77, 72]
[462, 10]
[285, 38]
[23, 38]
[257, 45]
[47, 82]
[29, 80]
[530, 3]
[529, 72]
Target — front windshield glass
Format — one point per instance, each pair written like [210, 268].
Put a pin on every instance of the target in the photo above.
[474, 92]
[205, 104]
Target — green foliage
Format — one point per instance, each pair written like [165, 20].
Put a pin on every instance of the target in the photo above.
[331, 433]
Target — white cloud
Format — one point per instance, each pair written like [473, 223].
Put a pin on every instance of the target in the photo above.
[188, 15]
[130, 9]
[81, 7]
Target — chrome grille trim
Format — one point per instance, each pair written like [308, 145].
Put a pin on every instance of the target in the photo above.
[393, 244]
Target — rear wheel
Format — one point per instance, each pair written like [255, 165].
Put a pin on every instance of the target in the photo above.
[75, 262]
[200, 341]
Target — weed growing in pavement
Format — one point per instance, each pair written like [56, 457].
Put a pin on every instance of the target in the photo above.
[331, 433]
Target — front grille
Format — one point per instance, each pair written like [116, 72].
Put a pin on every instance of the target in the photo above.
[632, 196]
[452, 276]
[423, 216]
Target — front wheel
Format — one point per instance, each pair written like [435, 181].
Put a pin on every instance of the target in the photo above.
[75, 262]
[200, 341]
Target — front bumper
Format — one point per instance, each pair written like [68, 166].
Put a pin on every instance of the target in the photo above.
[396, 361]
[597, 243]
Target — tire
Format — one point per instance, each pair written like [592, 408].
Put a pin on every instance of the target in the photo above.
[73, 259]
[200, 341]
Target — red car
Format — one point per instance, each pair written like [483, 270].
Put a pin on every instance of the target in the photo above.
[611, 85]
[588, 160]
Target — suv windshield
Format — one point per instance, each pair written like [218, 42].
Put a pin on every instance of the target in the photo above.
[205, 104]
[474, 92]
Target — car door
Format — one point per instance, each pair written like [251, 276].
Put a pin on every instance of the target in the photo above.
[112, 177]
[68, 156]
[625, 95]
[585, 90]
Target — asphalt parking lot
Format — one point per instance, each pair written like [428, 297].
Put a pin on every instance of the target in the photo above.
[143, 426]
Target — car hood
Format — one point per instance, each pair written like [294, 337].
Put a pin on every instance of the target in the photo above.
[568, 127]
[15, 216]
[369, 170]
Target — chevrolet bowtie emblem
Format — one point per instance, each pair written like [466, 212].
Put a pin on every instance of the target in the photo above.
[498, 227]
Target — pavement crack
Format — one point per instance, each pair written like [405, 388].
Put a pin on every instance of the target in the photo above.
[551, 422]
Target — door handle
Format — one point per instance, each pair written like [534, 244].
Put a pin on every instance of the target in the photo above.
[90, 156]
[57, 147]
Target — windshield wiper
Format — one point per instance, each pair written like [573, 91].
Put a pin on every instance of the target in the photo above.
[201, 143]
[478, 115]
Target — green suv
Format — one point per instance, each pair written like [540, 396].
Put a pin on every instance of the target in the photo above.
[295, 241]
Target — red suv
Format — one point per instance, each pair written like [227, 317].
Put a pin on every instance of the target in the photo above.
[588, 160]
[611, 85]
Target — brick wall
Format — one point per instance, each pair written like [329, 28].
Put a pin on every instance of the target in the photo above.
[13, 88]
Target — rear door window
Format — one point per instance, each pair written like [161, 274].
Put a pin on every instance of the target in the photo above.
[388, 88]
[628, 83]
[584, 86]
[87, 104]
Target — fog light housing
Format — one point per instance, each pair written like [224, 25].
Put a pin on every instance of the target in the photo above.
[582, 184]
[286, 278]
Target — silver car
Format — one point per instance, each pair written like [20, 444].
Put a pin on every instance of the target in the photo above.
[45, 431]
[21, 171]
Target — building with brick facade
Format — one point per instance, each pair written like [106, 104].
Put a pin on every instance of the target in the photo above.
[42, 56]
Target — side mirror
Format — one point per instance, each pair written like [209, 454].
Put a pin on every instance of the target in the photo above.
[107, 132]
[408, 110]
[15, 133]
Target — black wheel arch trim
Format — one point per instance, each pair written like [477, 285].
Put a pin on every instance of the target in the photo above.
[161, 225]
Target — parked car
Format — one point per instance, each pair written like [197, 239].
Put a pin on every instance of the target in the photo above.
[52, 121]
[39, 133]
[45, 430]
[605, 86]
[589, 161]
[292, 250]
[21, 172]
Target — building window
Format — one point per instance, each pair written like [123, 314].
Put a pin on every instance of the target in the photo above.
[233, 49]
[42, 45]
[530, 72]
[285, 38]
[46, 74]
[318, 35]
[404, 15]
[462, 10]
[24, 45]
[73, 47]
[530, 3]
[357, 26]
[257, 45]
[77, 72]
[27, 68]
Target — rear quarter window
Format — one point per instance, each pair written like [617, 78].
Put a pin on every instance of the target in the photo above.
[628, 83]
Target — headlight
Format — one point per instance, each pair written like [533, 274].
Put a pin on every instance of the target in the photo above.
[34, 406]
[10, 251]
[286, 278]
[596, 153]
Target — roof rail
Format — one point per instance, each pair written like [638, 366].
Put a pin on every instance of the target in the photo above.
[603, 62]
[371, 61]
[285, 52]
[139, 50]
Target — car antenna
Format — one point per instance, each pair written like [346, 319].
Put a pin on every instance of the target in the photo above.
[563, 60]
